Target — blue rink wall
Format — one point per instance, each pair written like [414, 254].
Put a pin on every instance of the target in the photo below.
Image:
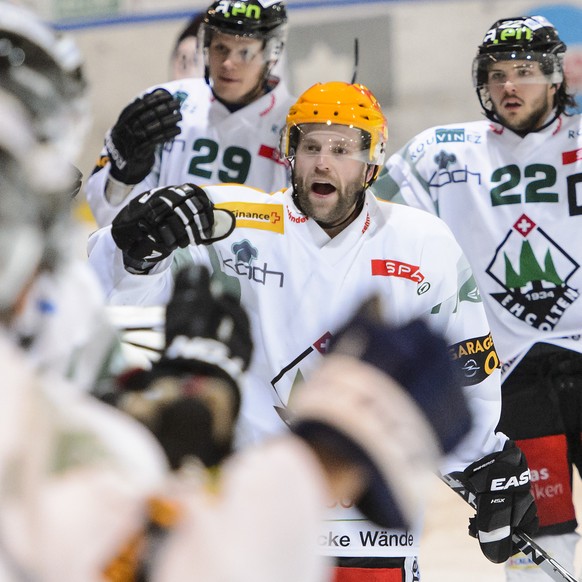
[415, 55]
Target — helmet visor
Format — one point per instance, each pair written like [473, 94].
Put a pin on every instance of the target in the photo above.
[340, 142]
[518, 67]
[239, 55]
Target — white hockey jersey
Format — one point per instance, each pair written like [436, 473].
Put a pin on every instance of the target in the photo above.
[515, 206]
[299, 286]
[215, 146]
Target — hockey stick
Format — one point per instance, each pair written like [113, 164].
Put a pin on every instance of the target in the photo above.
[356, 59]
[522, 541]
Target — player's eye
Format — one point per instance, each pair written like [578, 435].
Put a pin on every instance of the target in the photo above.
[220, 50]
[339, 150]
[245, 55]
[497, 77]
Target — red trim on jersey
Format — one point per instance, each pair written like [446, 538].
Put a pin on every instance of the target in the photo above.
[495, 128]
[271, 105]
[272, 154]
[571, 157]
[367, 575]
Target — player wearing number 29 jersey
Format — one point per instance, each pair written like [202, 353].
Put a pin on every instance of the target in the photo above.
[510, 188]
[223, 128]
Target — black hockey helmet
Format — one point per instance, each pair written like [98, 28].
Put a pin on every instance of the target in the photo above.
[261, 19]
[527, 38]
[250, 18]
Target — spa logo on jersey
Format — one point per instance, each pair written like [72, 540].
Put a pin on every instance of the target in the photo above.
[476, 358]
[392, 268]
[534, 272]
[259, 216]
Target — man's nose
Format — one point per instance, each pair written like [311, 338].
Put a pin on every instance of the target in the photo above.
[229, 61]
[510, 86]
[322, 161]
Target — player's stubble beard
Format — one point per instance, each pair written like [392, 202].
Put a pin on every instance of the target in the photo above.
[533, 122]
[348, 206]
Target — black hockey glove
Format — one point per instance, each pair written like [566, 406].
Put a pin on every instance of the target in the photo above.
[501, 483]
[190, 398]
[146, 122]
[219, 325]
[157, 222]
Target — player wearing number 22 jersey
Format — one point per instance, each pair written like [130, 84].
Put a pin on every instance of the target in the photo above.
[510, 202]
[510, 189]
[214, 145]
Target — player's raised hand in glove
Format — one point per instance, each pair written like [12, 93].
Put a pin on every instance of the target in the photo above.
[190, 398]
[501, 483]
[157, 222]
[150, 120]
[202, 310]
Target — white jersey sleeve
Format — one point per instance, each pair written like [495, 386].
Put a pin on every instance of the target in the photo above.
[64, 326]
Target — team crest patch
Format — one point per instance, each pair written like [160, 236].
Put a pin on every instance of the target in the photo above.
[259, 216]
[181, 96]
[534, 272]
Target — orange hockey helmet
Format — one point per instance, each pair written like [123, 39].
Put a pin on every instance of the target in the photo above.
[339, 103]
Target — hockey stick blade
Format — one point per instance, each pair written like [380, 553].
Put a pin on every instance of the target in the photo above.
[524, 542]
